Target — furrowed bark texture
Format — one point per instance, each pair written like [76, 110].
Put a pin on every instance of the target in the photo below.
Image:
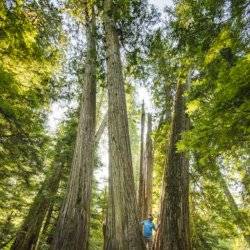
[73, 225]
[149, 169]
[173, 233]
[141, 189]
[123, 229]
[28, 234]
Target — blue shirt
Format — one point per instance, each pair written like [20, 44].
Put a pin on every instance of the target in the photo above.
[148, 227]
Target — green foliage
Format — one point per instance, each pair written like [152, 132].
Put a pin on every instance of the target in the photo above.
[160, 142]
[28, 61]
[211, 218]
[29, 37]
[218, 103]
[220, 117]
[98, 213]
[207, 37]
[62, 154]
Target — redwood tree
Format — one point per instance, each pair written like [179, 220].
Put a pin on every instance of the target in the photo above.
[141, 189]
[148, 168]
[123, 229]
[42, 207]
[28, 234]
[173, 232]
[73, 226]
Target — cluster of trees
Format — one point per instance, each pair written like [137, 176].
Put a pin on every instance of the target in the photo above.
[191, 171]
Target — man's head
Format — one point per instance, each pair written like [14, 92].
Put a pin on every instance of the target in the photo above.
[150, 217]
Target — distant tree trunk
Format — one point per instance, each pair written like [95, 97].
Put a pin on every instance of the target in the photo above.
[73, 225]
[123, 229]
[239, 218]
[141, 189]
[185, 222]
[110, 242]
[185, 225]
[47, 219]
[173, 233]
[149, 169]
[28, 234]
[101, 129]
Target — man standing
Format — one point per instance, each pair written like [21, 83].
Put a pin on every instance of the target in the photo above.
[148, 226]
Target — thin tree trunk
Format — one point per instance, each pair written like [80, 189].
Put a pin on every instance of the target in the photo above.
[149, 169]
[174, 221]
[185, 225]
[28, 234]
[73, 225]
[110, 242]
[185, 221]
[239, 219]
[48, 218]
[141, 189]
[123, 229]
[101, 129]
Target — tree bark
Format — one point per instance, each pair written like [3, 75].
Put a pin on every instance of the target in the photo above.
[149, 169]
[47, 221]
[28, 234]
[173, 233]
[73, 225]
[123, 229]
[101, 129]
[141, 189]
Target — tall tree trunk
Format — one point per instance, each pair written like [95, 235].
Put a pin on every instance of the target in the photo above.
[185, 222]
[185, 225]
[123, 229]
[174, 221]
[28, 234]
[141, 189]
[149, 169]
[73, 225]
